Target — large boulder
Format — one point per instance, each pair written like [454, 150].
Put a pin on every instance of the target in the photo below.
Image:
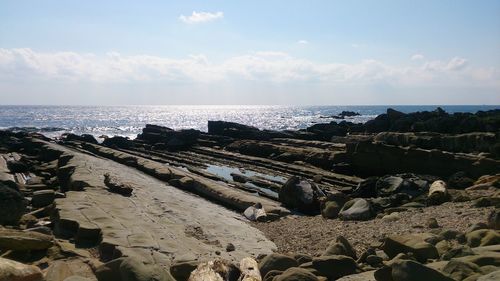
[357, 209]
[411, 243]
[17, 240]
[296, 274]
[300, 194]
[276, 262]
[12, 205]
[332, 267]
[14, 271]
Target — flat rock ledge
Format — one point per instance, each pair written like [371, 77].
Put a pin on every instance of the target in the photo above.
[158, 223]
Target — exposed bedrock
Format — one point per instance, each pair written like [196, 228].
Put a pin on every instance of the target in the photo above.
[157, 222]
[471, 142]
[379, 159]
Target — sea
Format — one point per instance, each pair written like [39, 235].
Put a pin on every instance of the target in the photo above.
[128, 121]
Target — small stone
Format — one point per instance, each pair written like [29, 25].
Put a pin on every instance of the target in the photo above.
[374, 260]
[230, 247]
[432, 223]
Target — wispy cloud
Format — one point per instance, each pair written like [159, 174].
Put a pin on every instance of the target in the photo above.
[417, 57]
[269, 66]
[303, 42]
[201, 17]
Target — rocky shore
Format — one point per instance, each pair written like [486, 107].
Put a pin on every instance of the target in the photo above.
[402, 197]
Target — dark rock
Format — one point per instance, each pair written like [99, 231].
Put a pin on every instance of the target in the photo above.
[332, 267]
[296, 274]
[276, 262]
[494, 219]
[119, 142]
[230, 247]
[357, 209]
[16, 166]
[340, 247]
[300, 194]
[460, 180]
[331, 210]
[181, 270]
[374, 260]
[84, 137]
[404, 183]
[116, 186]
[407, 270]
[12, 205]
[367, 188]
[271, 275]
[42, 198]
[456, 252]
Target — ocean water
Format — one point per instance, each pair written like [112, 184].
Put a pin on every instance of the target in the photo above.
[129, 120]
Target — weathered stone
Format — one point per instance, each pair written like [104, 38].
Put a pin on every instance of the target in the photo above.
[300, 194]
[23, 240]
[413, 243]
[432, 223]
[340, 247]
[42, 198]
[255, 213]
[374, 260]
[356, 209]
[482, 237]
[494, 219]
[296, 274]
[14, 271]
[61, 270]
[460, 270]
[276, 262]
[12, 205]
[438, 193]
[331, 210]
[332, 267]
[182, 270]
[493, 276]
[216, 270]
[407, 270]
[116, 186]
[131, 269]
[456, 252]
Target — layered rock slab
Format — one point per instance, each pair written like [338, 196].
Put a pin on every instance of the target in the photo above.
[158, 223]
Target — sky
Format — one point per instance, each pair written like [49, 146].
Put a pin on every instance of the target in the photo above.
[250, 52]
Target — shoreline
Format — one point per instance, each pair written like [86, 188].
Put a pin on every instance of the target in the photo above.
[173, 199]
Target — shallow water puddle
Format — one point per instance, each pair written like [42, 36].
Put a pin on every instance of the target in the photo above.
[226, 171]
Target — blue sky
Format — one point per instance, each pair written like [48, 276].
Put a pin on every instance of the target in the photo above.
[250, 52]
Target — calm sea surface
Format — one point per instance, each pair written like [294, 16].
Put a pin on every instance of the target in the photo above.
[129, 120]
